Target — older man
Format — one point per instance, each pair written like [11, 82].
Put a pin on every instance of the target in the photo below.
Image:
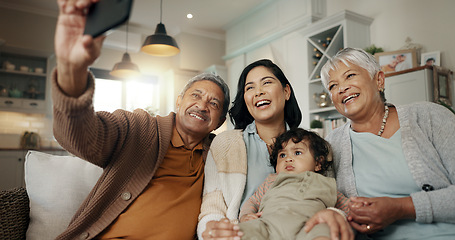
[151, 186]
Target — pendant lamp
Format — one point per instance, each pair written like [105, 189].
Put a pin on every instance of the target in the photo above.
[160, 44]
[125, 68]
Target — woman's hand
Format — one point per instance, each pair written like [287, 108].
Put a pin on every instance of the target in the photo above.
[368, 215]
[339, 227]
[222, 229]
[250, 216]
[74, 51]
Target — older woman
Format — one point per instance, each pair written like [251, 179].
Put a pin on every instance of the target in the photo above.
[396, 162]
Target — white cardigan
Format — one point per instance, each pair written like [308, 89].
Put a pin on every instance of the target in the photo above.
[225, 179]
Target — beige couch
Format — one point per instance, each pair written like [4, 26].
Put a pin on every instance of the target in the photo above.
[14, 213]
[55, 188]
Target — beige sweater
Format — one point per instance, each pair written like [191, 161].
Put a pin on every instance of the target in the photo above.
[225, 179]
[129, 146]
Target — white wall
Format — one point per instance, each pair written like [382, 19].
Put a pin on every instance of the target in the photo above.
[199, 52]
[429, 23]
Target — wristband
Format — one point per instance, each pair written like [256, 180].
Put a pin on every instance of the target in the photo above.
[341, 212]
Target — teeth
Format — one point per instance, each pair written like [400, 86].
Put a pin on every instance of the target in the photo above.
[196, 116]
[350, 97]
[262, 102]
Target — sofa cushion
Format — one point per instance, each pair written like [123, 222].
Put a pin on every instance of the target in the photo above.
[56, 186]
[14, 213]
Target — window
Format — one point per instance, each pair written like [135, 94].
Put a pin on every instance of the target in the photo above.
[112, 93]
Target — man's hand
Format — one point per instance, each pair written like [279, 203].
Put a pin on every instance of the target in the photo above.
[222, 229]
[339, 227]
[74, 51]
[368, 215]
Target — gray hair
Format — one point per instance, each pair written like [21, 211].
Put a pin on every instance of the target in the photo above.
[348, 56]
[215, 79]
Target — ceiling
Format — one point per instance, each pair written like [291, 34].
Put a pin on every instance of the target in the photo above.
[210, 16]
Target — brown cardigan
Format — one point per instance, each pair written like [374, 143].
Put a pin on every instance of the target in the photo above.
[128, 145]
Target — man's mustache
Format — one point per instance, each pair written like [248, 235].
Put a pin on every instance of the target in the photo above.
[199, 113]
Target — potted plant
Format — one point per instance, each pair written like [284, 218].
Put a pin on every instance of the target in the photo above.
[317, 126]
[373, 49]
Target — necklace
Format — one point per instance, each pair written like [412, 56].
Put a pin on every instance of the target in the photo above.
[384, 120]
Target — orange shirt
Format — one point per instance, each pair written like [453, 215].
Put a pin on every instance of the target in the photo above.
[169, 206]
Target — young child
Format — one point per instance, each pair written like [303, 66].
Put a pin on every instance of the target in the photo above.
[281, 206]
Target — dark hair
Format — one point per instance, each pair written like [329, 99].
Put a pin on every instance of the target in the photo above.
[239, 114]
[319, 148]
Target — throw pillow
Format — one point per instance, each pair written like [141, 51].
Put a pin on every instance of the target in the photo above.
[56, 187]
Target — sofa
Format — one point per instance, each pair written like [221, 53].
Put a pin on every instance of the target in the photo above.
[55, 186]
[14, 213]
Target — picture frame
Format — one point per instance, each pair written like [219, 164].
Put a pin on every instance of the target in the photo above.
[431, 58]
[396, 61]
[442, 78]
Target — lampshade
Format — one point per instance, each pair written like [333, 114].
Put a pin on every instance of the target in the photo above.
[125, 68]
[160, 44]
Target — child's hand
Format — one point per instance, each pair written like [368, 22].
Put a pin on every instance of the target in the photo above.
[250, 216]
[321, 238]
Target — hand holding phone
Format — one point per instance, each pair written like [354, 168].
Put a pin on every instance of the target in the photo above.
[105, 15]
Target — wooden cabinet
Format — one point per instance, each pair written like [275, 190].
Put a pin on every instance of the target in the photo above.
[23, 83]
[12, 169]
[412, 85]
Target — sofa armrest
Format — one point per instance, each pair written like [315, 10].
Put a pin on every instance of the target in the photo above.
[14, 213]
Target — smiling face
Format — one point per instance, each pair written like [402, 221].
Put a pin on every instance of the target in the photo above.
[296, 158]
[264, 95]
[199, 110]
[354, 94]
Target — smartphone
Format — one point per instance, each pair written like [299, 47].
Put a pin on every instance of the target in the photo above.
[105, 15]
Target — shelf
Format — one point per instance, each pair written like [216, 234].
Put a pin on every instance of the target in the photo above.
[21, 88]
[329, 36]
[337, 43]
[324, 109]
[316, 81]
[34, 74]
[324, 39]
[325, 43]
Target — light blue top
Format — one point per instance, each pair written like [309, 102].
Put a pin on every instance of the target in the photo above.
[258, 161]
[380, 169]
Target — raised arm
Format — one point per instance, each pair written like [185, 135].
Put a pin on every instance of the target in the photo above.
[74, 51]
[93, 137]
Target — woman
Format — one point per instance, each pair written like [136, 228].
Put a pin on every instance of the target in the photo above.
[238, 160]
[399, 159]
